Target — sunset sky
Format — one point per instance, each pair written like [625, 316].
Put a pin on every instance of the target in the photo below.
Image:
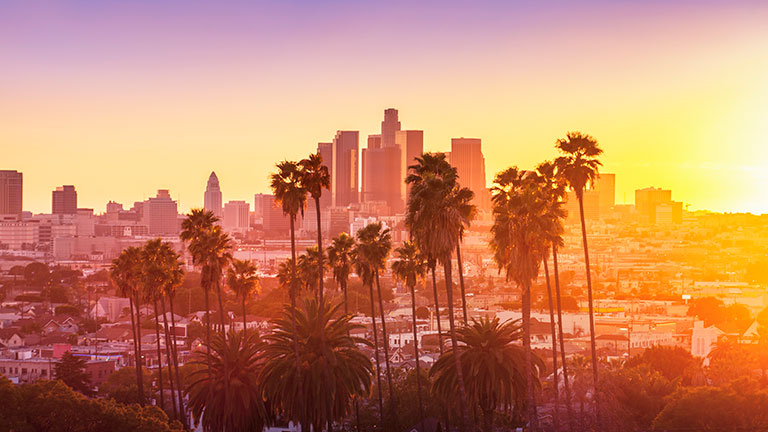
[121, 98]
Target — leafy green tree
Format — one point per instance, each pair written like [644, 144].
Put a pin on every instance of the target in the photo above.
[673, 363]
[37, 275]
[71, 371]
[346, 374]
[632, 398]
[67, 309]
[121, 386]
[730, 360]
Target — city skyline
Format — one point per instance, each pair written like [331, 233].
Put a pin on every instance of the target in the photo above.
[676, 95]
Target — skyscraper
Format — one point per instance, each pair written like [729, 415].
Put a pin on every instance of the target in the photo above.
[237, 216]
[389, 127]
[411, 143]
[655, 205]
[605, 185]
[212, 197]
[160, 214]
[64, 200]
[11, 188]
[344, 183]
[326, 152]
[381, 177]
[467, 157]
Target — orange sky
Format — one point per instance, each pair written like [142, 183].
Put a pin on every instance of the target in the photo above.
[123, 99]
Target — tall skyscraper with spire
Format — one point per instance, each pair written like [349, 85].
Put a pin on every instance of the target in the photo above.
[212, 198]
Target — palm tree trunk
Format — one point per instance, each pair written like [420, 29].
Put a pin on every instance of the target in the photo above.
[243, 319]
[292, 296]
[416, 356]
[221, 308]
[320, 250]
[592, 342]
[437, 309]
[488, 419]
[376, 354]
[168, 354]
[140, 356]
[455, 346]
[386, 354]
[139, 379]
[344, 290]
[531, 405]
[569, 406]
[207, 317]
[159, 359]
[552, 326]
[461, 281]
[176, 365]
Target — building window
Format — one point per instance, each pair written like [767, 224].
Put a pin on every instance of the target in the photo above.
[23, 371]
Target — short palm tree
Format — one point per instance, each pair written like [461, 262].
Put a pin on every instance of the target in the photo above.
[346, 374]
[340, 261]
[229, 397]
[291, 195]
[373, 245]
[578, 165]
[436, 222]
[495, 364]
[315, 177]
[521, 233]
[308, 273]
[243, 280]
[126, 274]
[408, 268]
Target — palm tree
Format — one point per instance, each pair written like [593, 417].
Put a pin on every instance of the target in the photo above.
[578, 165]
[496, 367]
[436, 221]
[409, 267]
[126, 274]
[340, 259]
[307, 268]
[153, 278]
[235, 402]
[462, 200]
[243, 280]
[556, 187]
[174, 278]
[217, 254]
[521, 233]
[345, 375]
[290, 194]
[194, 230]
[315, 177]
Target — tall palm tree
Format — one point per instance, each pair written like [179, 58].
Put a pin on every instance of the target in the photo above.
[194, 230]
[409, 267]
[521, 234]
[432, 266]
[290, 194]
[555, 186]
[315, 177]
[126, 274]
[174, 278]
[578, 165]
[217, 247]
[462, 200]
[243, 281]
[345, 375]
[236, 402]
[340, 260]
[495, 364]
[436, 221]
[153, 275]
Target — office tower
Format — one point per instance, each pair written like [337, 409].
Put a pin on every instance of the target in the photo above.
[374, 141]
[381, 177]
[64, 200]
[389, 127]
[411, 143]
[655, 205]
[344, 183]
[274, 220]
[467, 157]
[11, 187]
[592, 209]
[160, 214]
[212, 197]
[326, 152]
[605, 185]
[237, 216]
[114, 207]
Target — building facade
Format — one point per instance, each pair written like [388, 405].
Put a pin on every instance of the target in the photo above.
[212, 197]
[11, 188]
[64, 200]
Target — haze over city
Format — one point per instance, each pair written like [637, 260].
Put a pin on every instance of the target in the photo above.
[122, 99]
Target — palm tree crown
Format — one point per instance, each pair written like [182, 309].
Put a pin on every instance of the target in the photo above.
[288, 188]
[409, 265]
[578, 163]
